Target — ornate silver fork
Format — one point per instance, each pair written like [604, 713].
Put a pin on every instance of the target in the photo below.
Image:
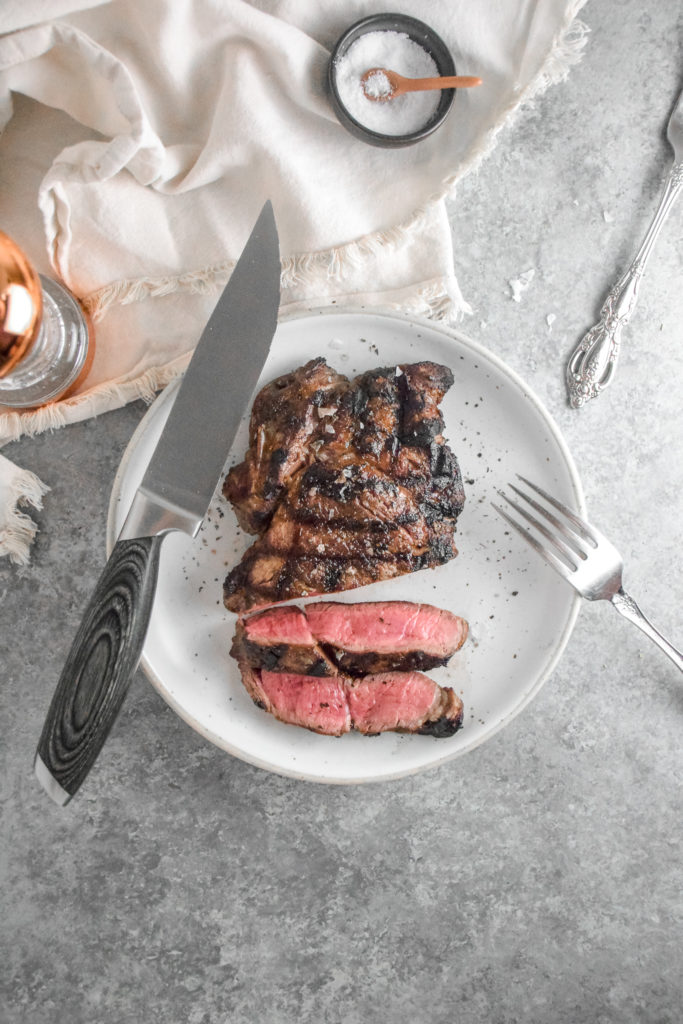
[592, 364]
[581, 554]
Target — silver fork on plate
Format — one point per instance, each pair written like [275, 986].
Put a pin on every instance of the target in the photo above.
[581, 554]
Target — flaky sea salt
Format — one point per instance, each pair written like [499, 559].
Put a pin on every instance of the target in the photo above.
[520, 284]
[395, 51]
[378, 85]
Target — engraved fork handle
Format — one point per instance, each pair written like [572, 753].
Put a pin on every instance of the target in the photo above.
[592, 365]
[625, 604]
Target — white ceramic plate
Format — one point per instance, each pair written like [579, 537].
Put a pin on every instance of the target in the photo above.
[520, 612]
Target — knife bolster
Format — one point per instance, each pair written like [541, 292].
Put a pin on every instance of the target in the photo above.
[150, 516]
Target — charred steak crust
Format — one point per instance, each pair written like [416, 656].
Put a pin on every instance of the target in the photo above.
[345, 482]
[301, 659]
[283, 421]
[372, 664]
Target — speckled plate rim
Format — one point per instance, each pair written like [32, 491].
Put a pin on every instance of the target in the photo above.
[554, 655]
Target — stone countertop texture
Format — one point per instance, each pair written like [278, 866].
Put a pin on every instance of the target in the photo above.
[537, 879]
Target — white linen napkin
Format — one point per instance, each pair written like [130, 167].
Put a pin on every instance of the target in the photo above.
[149, 135]
[18, 487]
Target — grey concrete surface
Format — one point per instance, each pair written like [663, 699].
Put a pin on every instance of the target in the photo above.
[538, 879]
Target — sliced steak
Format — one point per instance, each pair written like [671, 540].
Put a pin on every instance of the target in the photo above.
[380, 636]
[403, 702]
[317, 704]
[331, 638]
[280, 640]
[286, 625]
[346, 483]
[389, 702]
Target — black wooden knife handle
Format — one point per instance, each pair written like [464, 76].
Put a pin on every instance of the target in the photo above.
[99, 667]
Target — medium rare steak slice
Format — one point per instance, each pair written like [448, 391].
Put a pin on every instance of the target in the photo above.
[378, 636]
[317, 704]
[280, 640]
[403, 702]
[347, 483]
[331, 638]
[390, 702]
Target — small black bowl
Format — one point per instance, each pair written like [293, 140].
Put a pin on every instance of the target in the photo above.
[419, 33]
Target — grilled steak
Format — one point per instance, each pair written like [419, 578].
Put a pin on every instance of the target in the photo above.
[390, 702]
[328, 638]
[380, 636]
[347, 483]
[403, 702]
[300, 666]
[284, 419]
[317, 704]
[280, 640]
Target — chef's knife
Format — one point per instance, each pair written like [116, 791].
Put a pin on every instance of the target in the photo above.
[175, 494]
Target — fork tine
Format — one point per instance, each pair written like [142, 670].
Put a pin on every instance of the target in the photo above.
[583, 528]
[544, 552]
[569, 536]
[567, 555]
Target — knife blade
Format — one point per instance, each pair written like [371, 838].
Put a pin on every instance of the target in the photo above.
[175, 494]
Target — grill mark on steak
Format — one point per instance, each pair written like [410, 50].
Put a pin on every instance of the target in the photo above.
[268, 579]
[425, 385]
[346, 483]
[283, 421]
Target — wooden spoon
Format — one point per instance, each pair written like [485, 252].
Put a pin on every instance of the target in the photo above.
[387, 85]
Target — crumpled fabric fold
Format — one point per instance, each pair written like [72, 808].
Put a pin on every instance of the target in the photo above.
[141, 140]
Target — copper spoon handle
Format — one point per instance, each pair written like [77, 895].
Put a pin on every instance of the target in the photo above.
[444, 82]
